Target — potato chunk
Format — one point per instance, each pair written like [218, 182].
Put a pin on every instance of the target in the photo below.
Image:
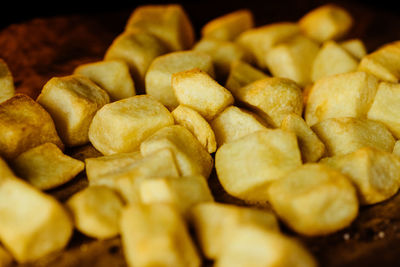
[355, 47]
[215, 223]
[197, 125]
[111, 75]
[24, 124]
[96, 211]
[375, 173]
[156, 235]
[345, 135]
[343, 95]
[7, 89]
[247, 166]
[198, 90]
[396, 148]
[72, 101]
[46, 166]
[158, 77]
[314, 199]
[122, 125]
[6, 259]
[191, 157]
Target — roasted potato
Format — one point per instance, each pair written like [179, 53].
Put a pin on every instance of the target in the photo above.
[355, 47]
[7, 89]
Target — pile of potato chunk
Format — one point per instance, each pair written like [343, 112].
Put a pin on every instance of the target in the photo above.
[298, 122]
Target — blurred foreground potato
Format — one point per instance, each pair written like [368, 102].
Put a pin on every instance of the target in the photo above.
[24, 124]
[6, 259]
[7, 89]
[314, 199]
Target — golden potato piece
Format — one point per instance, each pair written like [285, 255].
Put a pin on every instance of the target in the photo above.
[246, 166]
[198, 90]
[6, 259]
[158, 77]
[258, 41]
[46, 166]
[111, 75]
[215, 223]
[7, 89]
[355, 47]
[311, 148]
[396, 148]
[272, 99]
[293, 59]
[345, 135]
[314, 199]
[327, 22]
[72, 101]
[122, 125]
[250, 243]
[96, 211]
[332, 59]
[375, 173]
[343, 95]
[197, 125]
[156, 235]
[234, 123]
[169, 23]
[24, 124]
[191, 156]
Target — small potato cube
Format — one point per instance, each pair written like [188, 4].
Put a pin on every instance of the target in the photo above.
[111, 75]
[311, 148]
[197, 125]
[191, 157]
[96, 211]
[254, 246]
[332, 59]
[158, 77]
[198, 90]
[396, 148]
[246, 166]
[355, 47]
[156, 235]
[72, 101]
[375, 173]
[215, 223]
[46, 166]
[293, 59]
[343, 95]
[122, 125]
[6, 259]
[327, 22]
[169, 23]
[314, 200]
[24, 124]
[7, 89]
[345, 135]
[272, 99]
[234, 123]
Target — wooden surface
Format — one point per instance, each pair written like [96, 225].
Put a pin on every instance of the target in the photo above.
[39, 49]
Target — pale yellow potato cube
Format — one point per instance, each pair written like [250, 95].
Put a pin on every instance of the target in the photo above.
[332, 59]
[343, 95]
[355, 47]
[247, 166]
[375, 173]
[242, 74]
[234, 123]
[72, 102]
[46, 166]
[191, 157]
[24, 124]
[314, 199]
[111, 75]
[6, 259]
[7, 89]
[396, 148]
[96, 211]
[169, 23]
[158, 77]
[272, 99]
[197, 125]
[311, 148]
[156, 235]
[327, 22]
[254, 246]
[345, 135]
[122, 125]
[258, 41]
[293, 59]
[215, 223]
[198, 90]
